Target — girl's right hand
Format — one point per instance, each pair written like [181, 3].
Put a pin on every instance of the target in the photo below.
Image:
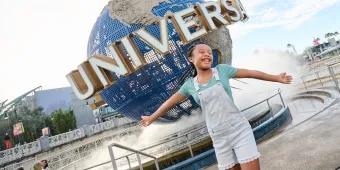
[146, 120]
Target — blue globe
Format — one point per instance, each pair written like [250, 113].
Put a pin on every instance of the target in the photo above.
[143, 91]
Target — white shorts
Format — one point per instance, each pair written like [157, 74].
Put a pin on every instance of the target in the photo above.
[234, 143]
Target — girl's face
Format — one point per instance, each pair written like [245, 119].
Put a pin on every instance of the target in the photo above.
[201, 57]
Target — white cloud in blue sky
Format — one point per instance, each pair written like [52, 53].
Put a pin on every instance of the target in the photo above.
[273, 24]
[289, 14]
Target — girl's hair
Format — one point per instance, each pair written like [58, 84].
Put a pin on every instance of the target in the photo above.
[189, 55]
[193, 68]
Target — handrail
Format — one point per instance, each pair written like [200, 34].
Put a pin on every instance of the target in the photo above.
[321, 69]
[132, 150]
[329, 68]
[333, 75]
[334, 64]
[160, 143]
[278, 93]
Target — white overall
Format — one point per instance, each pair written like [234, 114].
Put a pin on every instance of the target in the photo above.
[231, 133]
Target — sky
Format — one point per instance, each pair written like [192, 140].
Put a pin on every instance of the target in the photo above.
[273, 24]
[43, 40]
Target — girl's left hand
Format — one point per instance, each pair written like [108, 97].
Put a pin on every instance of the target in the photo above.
[284, 78]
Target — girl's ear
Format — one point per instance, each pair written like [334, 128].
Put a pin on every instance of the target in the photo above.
[190, 59]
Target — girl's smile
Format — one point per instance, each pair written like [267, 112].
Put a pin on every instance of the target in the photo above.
[202, 57]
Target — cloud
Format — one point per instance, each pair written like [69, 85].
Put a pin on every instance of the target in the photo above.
[289, 14]
[251, 5]
[304, 10]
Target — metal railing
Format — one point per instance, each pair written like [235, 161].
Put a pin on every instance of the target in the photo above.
[333, 74]
[190, 138]
[328, 72]
[138, 153]
[267, 101]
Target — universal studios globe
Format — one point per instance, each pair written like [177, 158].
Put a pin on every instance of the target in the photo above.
[143, 91]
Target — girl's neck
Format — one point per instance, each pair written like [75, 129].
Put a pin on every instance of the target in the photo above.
[202, 72]
[203, 76]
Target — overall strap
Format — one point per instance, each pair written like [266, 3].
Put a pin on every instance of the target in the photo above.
[195, 83]
[215, 74]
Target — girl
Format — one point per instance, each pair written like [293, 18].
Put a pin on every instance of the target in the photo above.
[232, 136]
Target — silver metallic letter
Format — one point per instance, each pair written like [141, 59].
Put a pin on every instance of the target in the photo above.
[83, 81]
[212, 17]
[232, 9]
[133, 51]
[119, 64]
[161, 46]
[182, 26]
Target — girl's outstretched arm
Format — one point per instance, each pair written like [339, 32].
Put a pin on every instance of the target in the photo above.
[166, 106]
[281, 78]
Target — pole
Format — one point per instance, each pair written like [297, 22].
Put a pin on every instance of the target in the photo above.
[139, 162]
[283, 103]
[189, 146]
[318, 77]
[331, 71]
[270, 109]
[128, 160]
[113, 160]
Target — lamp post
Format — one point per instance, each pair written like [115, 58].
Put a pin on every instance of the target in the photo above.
[292, 46]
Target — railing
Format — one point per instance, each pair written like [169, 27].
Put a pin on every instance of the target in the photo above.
[19, 152]
[331, 69]
[138, 153]
[66, 137]
[328, 73]
[267, 101]
[320, 75]
[192, 136]
[325, 62]
[64, 159]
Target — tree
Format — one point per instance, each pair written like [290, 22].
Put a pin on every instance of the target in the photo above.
[331, 34]
[35, 120]
[32, 120]
[63, 121]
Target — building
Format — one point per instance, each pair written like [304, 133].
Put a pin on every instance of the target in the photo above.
[50, 100]
[323, 50]
[63, 98]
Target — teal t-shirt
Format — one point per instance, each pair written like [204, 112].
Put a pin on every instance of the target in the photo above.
[225, 72]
